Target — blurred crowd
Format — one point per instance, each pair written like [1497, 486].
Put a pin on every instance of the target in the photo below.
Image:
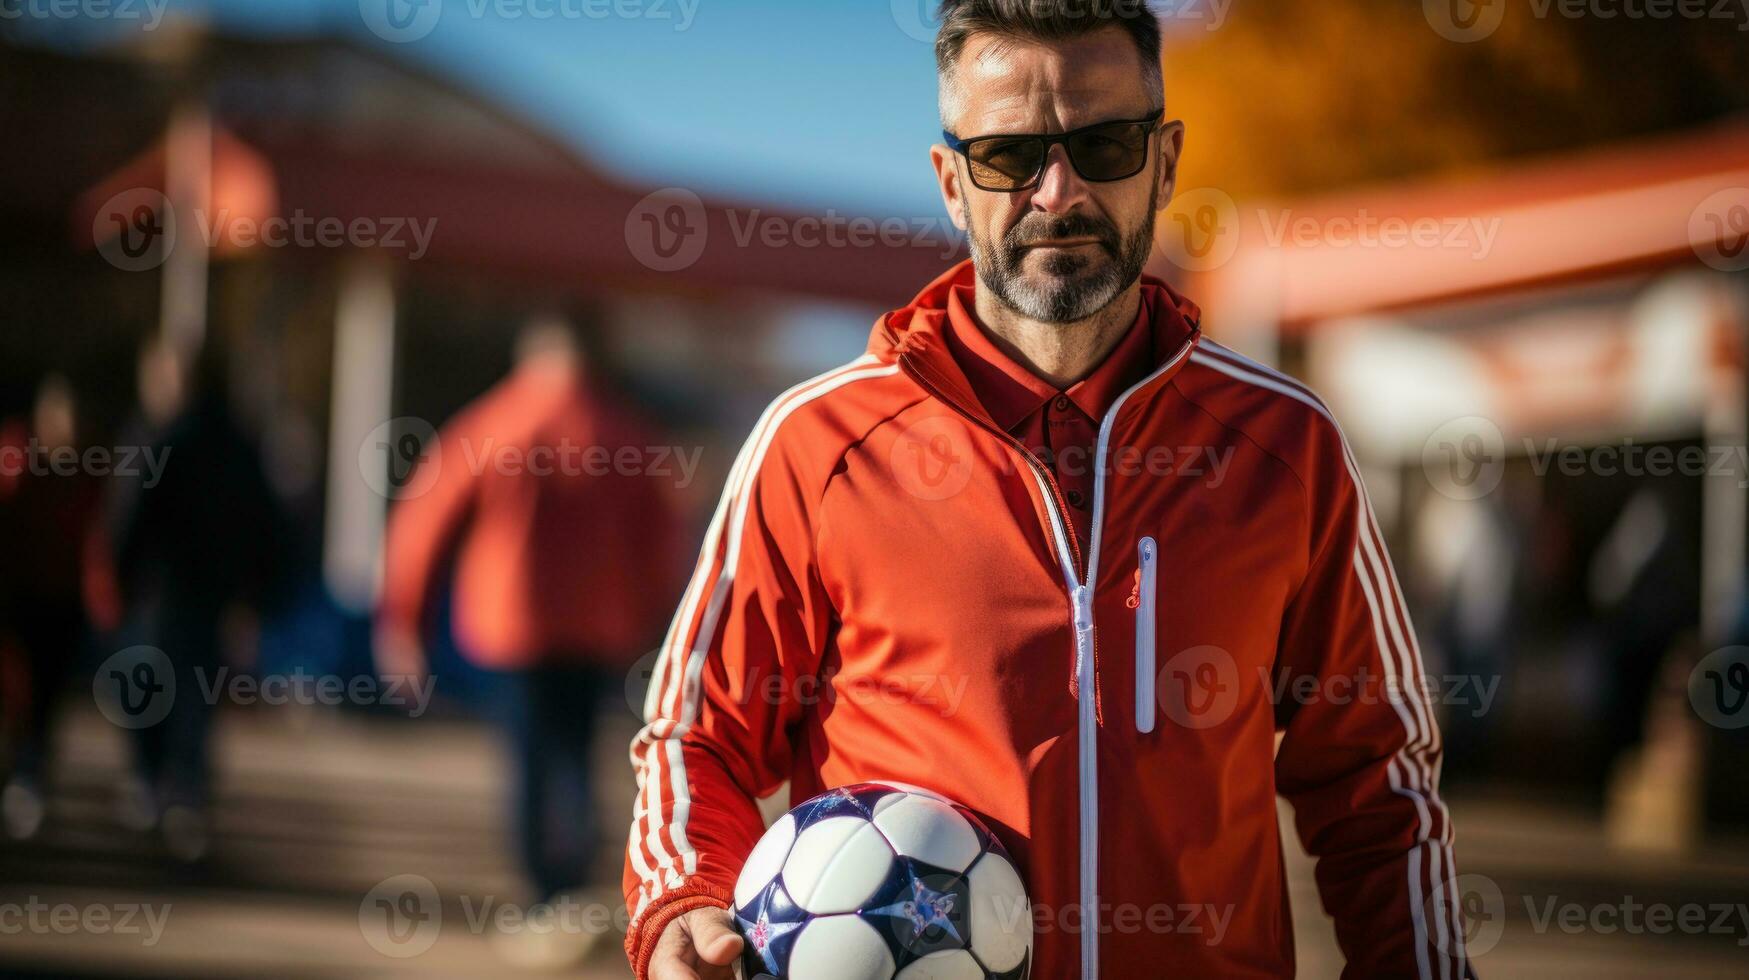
[136, 582]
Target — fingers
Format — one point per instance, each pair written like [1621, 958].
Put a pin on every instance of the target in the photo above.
[700, 945]
[713, 936]
[674, 957]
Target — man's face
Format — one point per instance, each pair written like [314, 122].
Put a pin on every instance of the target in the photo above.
[1062, 250]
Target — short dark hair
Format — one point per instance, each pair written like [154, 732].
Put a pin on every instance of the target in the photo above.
[1043, 21]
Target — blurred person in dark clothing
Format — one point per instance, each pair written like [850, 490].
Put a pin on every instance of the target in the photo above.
[564, 563]
[203, 542]
[1644, 582]
[55, 586]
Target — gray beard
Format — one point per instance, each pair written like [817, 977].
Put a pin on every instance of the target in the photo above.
[1072, 290]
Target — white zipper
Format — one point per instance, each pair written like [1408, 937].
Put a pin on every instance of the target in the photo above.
[1089, 721]
[1089, 745]
[1145, 569]
[1081, 616]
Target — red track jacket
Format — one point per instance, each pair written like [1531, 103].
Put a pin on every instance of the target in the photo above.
[889, 590]
[514, 520]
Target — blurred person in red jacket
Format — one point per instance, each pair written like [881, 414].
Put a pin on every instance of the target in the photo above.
[57, 587]
[555, 521]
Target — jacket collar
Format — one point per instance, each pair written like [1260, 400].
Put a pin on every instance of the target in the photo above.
[915, 335]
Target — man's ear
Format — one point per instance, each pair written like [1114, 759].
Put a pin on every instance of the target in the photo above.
[946, 164]
[1171, 147]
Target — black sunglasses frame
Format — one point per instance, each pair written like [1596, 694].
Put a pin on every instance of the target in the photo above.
[962, 146]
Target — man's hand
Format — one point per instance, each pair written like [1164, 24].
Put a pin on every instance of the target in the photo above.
[399, 654]
[699, 945]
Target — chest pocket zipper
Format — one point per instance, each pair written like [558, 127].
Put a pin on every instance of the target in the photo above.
[1147, 555]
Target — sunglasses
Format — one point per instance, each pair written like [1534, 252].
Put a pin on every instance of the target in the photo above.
[1101, 152]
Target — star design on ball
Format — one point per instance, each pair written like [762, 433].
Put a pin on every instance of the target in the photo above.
[765, 932]
[925, 908]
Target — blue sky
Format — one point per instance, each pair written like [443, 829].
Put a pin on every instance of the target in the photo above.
[828, 103]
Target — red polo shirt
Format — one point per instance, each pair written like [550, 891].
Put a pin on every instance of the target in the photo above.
[1060, 427]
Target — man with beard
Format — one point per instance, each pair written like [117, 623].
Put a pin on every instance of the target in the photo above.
[1143, 656]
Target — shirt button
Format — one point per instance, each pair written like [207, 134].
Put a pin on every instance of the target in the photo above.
[1061, 404]
[1076, 500]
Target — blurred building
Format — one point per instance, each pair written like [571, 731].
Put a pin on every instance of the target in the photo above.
[362, 235]
[1541, 370]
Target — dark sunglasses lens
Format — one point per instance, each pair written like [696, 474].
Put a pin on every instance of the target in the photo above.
[1109, 152]
[1002, 164]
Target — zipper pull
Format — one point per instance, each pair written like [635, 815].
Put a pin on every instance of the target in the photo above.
[1146, 586]
[1083, 610]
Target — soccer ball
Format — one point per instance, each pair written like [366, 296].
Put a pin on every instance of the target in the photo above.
[882, 881]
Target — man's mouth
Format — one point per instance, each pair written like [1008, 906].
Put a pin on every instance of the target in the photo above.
[1064, 243]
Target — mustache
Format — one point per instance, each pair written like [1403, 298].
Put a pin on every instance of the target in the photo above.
[1039, 227]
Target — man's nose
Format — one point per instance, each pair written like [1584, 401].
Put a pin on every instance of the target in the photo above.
[1059, 188]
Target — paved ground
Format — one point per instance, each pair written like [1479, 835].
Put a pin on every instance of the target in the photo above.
[317, 811]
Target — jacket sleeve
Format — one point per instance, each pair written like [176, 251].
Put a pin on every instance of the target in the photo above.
[1359, 756]
[423, 527]
[723, 696]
